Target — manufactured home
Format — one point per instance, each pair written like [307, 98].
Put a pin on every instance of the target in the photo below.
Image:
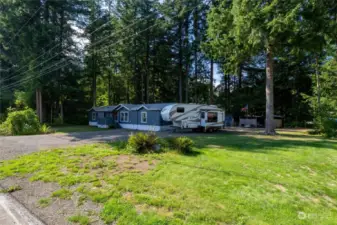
[157, 117]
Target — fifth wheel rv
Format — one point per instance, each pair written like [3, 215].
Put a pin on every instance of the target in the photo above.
[194, 116]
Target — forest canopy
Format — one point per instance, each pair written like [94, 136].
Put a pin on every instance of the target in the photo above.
[64, 56]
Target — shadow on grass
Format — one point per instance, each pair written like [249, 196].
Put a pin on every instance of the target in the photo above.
[262, 144]
[229, 140]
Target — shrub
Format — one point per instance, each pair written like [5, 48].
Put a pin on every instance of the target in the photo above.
[326, 123]
[58, 121]
[182, 144]
[329, 128]
[45, 129]
[21, 122]
[142, 142]
[4, 130]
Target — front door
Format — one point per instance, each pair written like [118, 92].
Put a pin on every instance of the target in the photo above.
[203, 118]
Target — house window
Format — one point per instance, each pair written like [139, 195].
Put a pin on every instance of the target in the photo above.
[180, 109]
[212, 117]
[93, 116]
[124, 117]
[143, 117]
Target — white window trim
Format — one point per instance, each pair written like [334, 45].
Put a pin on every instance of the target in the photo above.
[124, 118]
[141, 117]
[93, 117]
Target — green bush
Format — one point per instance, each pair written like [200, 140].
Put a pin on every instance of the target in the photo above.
[142, 142]
[326, 123]
[45, 129]
[329, 128]
[21, 122]
[58, 121]
[182, 144]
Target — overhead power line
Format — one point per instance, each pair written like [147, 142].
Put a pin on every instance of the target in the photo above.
[17, 33]
[136, 34]
[55, 46]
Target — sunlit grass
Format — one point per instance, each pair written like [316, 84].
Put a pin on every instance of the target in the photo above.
[231, 179]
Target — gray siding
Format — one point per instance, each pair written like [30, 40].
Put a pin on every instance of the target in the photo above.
[100, 115]
[90, 116]
[153, 117]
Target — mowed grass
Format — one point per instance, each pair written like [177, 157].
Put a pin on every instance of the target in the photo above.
[75, 128]
[231, 179]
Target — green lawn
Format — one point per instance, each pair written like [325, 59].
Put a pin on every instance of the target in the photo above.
[231, 179]
[74, 128]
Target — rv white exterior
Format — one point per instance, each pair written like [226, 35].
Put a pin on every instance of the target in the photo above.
[194, 116]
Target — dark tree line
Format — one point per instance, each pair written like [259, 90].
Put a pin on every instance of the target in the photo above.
[63, 57]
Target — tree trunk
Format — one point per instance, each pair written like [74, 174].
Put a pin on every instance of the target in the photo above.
[110, 79]
[61, 112]
[94, 77]
[318, 85]
[51, 114]
[186, 83]
[226, 97]
[211, 84]
[195, 51]
[147, 72]
[180, 63]
[270, 129]
[37, 97]
[94, 80]
[239, 71]
[110, 66]
[40, 107]
[39, 111]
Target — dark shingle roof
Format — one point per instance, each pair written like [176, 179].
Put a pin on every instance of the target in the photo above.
[154, 106]
[104, 108]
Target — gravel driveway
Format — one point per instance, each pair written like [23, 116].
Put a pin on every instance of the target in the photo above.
[12, 146]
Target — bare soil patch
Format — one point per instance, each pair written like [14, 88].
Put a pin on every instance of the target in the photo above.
[59, 210]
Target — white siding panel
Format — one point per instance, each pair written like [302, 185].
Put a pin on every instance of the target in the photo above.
[94, 124]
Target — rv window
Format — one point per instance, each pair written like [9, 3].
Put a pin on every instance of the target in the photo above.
[180, 109]
[202, 115]
[143, 117]
[212, 117]
[93, 116]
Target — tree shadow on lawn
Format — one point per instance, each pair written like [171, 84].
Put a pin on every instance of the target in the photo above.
[262, 144]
